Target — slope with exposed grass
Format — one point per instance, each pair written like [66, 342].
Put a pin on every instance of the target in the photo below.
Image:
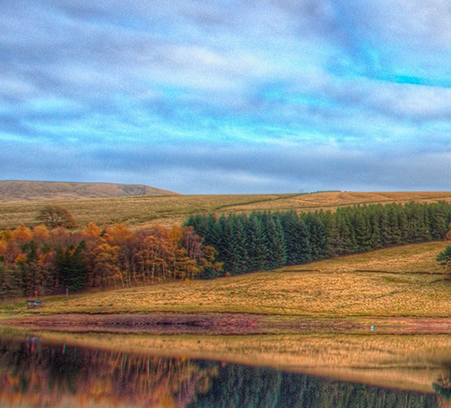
[18, 190]
[167, 210]
[402, 281]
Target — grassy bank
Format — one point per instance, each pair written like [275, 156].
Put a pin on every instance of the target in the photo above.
[402, 281]
[169, 210]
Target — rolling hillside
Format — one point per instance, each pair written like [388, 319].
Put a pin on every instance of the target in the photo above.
[167, 210]
[46, 190]
[403, 281]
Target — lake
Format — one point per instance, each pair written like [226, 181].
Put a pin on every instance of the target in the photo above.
[104, 370]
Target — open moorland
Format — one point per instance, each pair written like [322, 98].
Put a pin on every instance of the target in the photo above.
[145, 211]
[21, 190]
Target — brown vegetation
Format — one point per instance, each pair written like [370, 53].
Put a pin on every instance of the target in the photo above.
[42, 261]
[45, 190]
[175, 209]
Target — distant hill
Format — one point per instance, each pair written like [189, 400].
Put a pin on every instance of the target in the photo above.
[49, 190]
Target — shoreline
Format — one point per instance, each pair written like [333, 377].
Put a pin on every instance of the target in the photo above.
[229, 324]
[407, 353]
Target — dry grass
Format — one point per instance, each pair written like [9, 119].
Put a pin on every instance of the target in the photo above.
[43, 190]
[403, 281]
[132, 211]
[169, 210]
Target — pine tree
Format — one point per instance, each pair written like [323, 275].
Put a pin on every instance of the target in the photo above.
[344, 241]
[392, 233]
[72, 267]
[317, 235]
[296, 238]
[10, 285]
[275, 252]
[332, 233]
[256, 245]
[238, 246]
[374, 214]
[362, 229]
[438, 220]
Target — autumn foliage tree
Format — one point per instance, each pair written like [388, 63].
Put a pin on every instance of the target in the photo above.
[56, 216]
[41, 261]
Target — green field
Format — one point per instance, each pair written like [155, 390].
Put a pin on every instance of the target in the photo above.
[168, 210]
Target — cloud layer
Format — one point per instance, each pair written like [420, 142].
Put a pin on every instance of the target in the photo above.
[228, 96]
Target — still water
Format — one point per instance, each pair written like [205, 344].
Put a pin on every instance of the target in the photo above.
[37, 373]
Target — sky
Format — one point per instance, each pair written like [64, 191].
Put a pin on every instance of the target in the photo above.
[227, 96]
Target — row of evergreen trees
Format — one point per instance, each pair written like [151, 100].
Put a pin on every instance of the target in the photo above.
[265, 240]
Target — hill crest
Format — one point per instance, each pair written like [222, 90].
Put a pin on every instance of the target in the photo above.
[21, 190]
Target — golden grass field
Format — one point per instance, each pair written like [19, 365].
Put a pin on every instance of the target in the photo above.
[403, 281]
[22, 190]
[168, 210]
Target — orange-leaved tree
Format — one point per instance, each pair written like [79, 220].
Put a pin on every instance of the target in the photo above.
[56, 216]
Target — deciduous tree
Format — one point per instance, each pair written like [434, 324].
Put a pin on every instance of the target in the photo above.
[56, 216]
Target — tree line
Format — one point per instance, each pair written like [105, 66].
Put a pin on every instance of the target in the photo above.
[45, 260]
[267, 240]
[42, 260]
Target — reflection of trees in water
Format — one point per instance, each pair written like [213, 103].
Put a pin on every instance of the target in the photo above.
[442, 385]
[245, 387]
[45, 374]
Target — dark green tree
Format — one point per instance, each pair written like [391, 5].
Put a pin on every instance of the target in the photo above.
[256, 245]
[317, 235]
[444, 259]
[32, 275]
[10, 285]
[72, 267]
[238, 246]
[296, 238]
[362, 228]
[275, 251]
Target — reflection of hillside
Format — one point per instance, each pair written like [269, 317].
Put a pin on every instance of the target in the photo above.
[38, 375]
[35, 374]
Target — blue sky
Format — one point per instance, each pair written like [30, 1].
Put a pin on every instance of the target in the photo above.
[228, 96]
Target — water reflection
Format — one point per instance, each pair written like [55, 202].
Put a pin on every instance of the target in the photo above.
[36, 374]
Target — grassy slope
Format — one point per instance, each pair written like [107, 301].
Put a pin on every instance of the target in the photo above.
[167, 210]
[11, 190]
[402, 281]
